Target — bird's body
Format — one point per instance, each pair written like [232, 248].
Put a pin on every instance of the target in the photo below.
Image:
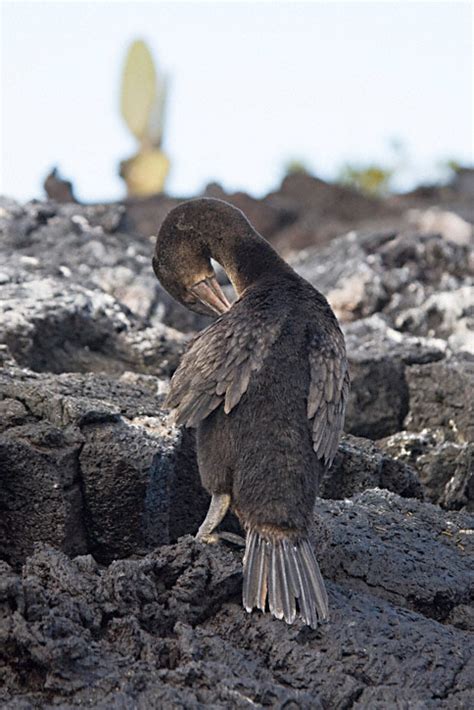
[261, 452]
[265, 386]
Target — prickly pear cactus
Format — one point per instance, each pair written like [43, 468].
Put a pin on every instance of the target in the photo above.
[142, 106]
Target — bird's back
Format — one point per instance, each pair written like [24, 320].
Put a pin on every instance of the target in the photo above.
[276, 470]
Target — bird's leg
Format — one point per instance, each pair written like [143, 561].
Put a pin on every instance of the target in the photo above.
[219, 506]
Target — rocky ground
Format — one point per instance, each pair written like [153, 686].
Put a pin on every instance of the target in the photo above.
[105, 598]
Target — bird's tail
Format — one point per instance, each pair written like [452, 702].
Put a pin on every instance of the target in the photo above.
[286, 571]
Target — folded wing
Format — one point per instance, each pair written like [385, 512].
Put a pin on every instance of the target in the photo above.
[219, 364]
[328, 392]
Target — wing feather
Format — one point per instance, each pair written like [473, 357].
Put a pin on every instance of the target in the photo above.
[218, 365]
[328, 391]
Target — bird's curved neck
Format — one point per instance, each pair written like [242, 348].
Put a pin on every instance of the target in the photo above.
[246, 259]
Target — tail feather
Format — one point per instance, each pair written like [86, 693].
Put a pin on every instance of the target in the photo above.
[251, 580]
[262, 574]
[314, 576]
[287, 573]
[276, 584]
[288, 599]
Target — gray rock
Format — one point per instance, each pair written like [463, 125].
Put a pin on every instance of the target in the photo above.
[378, 402]
[125, 476]
[50, 325]
[91, 464]
[463, 181]
[440, 395]
[373, 336]
[445, 468]
[84, 247]
[405, 551]
[378, 356]
[448, 315]
[40, 488]
[363, 273]
[437, 221]
[359, 465]
[459, 490]
[169, 629]
[351, 282]
[428, 259]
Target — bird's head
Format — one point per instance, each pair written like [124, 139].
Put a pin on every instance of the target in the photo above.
[182, 259]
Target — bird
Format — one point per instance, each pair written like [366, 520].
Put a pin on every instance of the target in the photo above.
[265, 385]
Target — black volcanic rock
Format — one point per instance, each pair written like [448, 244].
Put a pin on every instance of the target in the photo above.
[91, 463]
[105, 598]
[441, 396]
[408, 552]
[84, 245]
[363, 273]
[445, 467]
[88, 463]
[40, 491]
[50, 325]
[169, 629]
[359, 464]
[379, 358]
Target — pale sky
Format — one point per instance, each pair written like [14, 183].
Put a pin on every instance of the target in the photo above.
[252, 86]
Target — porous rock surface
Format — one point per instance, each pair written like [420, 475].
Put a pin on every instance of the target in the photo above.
[105, 598]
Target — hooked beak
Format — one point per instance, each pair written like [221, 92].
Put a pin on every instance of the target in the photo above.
[211, 295]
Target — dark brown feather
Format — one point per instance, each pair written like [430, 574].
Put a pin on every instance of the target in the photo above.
[219, 364]
[328, 392]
